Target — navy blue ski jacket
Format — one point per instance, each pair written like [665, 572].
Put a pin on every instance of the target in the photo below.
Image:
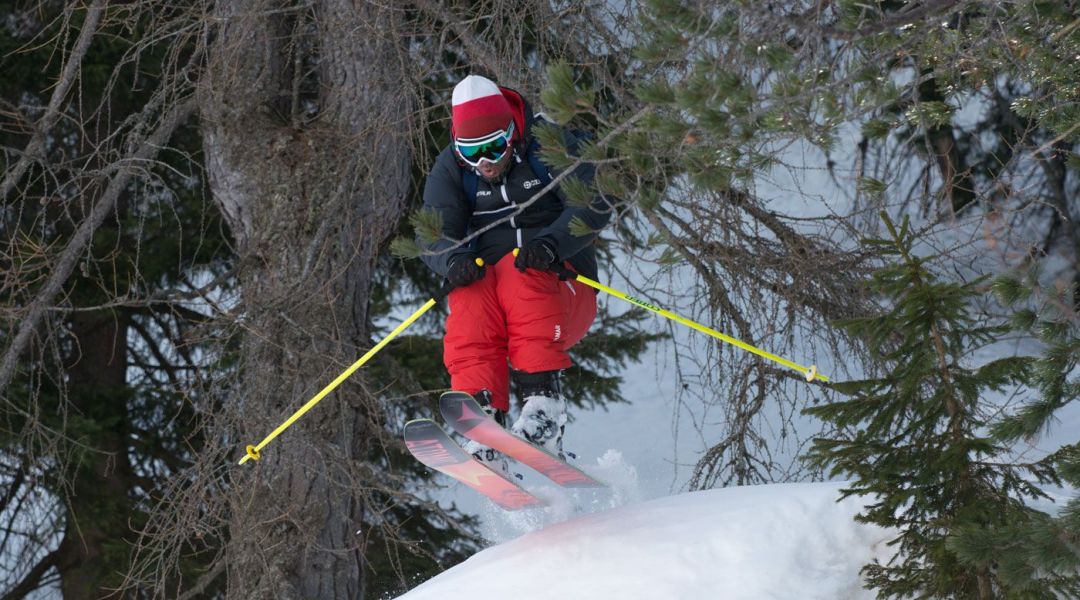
[549, 217]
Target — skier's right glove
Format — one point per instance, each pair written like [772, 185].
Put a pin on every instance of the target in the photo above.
[464, 271]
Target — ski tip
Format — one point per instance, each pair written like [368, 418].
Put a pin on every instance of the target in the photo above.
[454, 396]
[453, 393]
[417, 422]
[418, 426]
[450, 404]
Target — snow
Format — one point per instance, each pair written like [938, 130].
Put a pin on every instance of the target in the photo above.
[757, 542]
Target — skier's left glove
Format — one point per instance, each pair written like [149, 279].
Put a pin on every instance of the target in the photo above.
[537, 254]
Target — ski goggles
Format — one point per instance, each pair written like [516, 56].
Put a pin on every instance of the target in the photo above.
[490, 148]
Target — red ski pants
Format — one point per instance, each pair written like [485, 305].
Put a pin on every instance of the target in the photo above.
[526, 321]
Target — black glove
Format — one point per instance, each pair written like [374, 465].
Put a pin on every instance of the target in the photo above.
[537, 254]
[464, 271]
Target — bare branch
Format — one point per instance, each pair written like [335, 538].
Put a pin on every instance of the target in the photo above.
[69, 257]
[68, 77]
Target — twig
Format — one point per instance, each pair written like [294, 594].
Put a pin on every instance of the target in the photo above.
[67, 77]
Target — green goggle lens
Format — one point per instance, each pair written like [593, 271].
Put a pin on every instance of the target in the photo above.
[491, 150]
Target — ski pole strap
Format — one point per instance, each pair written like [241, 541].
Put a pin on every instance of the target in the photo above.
[443, 292]
[811, 372]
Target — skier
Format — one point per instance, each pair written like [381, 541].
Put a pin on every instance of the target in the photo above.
[511, 317]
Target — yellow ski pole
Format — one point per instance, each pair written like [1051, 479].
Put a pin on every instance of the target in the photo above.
[810, 372]
[253, 451]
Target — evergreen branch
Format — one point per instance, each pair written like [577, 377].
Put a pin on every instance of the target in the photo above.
[911, 12]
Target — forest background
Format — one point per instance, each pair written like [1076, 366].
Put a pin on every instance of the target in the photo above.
[199, 202]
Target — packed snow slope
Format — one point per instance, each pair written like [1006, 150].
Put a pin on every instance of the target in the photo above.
[758, 542]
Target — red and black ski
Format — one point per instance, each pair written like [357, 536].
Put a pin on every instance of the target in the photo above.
[433, 447]
[467, 417]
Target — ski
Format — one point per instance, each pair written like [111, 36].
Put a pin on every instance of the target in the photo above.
[433, 447]
[465, 415]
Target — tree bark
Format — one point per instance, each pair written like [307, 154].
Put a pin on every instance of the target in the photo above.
[310, 197]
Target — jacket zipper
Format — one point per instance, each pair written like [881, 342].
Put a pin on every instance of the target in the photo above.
[513, 222]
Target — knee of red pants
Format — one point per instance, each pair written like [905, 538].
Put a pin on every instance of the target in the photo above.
[474, 347]
[581, 300]
[544, 316]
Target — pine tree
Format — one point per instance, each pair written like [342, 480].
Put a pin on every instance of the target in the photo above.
[914, 436]
[1044, 552]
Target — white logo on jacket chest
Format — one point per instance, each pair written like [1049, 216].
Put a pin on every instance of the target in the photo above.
[531, 184]
[483, 192]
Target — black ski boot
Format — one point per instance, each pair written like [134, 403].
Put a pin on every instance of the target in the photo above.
[543, 409]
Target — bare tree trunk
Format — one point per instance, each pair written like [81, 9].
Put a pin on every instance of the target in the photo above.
[306, 128]
[98, 510]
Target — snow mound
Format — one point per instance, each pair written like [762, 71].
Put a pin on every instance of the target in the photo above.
[769, 541]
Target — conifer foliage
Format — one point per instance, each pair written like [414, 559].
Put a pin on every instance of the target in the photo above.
[914, 438]
[1044, 550]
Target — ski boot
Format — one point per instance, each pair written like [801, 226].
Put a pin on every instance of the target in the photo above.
[543, 409]
[495, 460]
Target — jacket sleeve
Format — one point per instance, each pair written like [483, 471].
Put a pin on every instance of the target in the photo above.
[444, 195]
[595, 215]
